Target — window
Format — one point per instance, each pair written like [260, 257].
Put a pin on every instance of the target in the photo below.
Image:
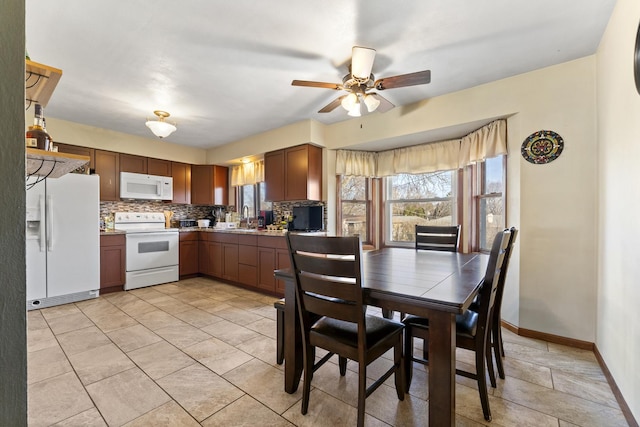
[355, 206]
[252, 196]
[490, 201]
[425, 199]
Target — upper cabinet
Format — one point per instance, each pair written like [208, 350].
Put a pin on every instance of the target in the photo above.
[294, 173]
[134, 164]
[181, 173]
[158, 167]
[209, 185]
[108, 167]
[40, 82]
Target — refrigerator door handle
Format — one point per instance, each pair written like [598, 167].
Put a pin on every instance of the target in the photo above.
[49, 217]
[42, 236]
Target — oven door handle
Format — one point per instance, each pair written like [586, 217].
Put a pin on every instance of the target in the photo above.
[153, 234]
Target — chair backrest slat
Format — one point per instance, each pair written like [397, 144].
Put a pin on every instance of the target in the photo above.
[328, 277]
[438, 238]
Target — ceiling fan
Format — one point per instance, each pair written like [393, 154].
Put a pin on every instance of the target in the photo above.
[360, 83]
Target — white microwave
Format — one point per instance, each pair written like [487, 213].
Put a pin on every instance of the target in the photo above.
[145, 187]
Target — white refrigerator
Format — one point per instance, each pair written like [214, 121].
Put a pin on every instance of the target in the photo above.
[62, 240]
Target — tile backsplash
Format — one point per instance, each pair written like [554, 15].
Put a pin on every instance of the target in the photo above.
[195, 212]
[180, 211]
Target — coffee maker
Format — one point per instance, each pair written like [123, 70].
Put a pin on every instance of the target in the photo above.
[264, 218]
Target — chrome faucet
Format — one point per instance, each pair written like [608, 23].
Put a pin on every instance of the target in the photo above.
[245, 215]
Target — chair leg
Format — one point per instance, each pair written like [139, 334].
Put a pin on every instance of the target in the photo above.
[489, 359]
[497, 345]
[408, 358]
[309, 359]
[482, 383]
[280, 337]
[398, 362]
[342, 363]
[387, 314]
[362, 392]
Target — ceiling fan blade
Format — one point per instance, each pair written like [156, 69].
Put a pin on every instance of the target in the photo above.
[362, 61]
[411, 79]
[322, 85]
[332, 105]
[385, 104]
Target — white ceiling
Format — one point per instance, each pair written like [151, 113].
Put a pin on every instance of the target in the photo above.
[223, 69]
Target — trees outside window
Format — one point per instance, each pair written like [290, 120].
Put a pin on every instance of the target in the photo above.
[355, 206]
[423, 199]
[490, 200]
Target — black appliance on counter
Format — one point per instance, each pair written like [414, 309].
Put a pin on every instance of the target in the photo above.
[182, 223]
[265, 218]
[308, 218]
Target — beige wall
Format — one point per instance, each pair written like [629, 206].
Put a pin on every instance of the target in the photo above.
[104, 139]
[618, 321]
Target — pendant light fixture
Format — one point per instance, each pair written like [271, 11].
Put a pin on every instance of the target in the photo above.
[159, 127]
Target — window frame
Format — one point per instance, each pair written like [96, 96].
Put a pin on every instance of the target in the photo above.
[367, 202]
[480, 194]
[387, 202]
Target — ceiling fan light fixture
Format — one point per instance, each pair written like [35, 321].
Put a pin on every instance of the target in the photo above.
[159, 127]
[372, 102]
[355, 111]
[362, 62]
[350, 101]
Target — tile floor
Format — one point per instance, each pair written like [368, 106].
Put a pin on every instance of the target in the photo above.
[200, 352]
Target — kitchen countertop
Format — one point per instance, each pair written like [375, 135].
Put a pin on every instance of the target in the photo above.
[247, 231]
[111, 232]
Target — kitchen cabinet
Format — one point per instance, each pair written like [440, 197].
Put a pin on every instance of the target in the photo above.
[80, 151]
[131, 163]
[248, 260]
[203, 255]
[294, 173]
[107, 165]
[112, 262]
[181, 173]
[209, 185]
[158, 167]
[189, 254]
[272, 255]
[274, 175]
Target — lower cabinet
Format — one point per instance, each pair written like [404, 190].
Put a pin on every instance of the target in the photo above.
[248, 260]
[189, 254]
[112, 263]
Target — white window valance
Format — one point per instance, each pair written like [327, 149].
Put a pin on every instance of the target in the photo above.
[247, 173]
[486, 142]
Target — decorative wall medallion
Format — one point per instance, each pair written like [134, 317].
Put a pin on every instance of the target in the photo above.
[542, 147]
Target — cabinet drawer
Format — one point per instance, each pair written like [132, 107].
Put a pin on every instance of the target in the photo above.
[223, 237]
[248, 255]
[189, 236]
[248, 240]
[277, 242]
[112, 240]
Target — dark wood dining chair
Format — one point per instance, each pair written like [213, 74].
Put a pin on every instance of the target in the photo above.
[495, 337]
[328, 278]
[438, 238]
[472, 328]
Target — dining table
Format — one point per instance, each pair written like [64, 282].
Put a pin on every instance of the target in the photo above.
[437, 285]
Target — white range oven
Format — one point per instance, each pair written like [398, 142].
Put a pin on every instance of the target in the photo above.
[152, 250]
